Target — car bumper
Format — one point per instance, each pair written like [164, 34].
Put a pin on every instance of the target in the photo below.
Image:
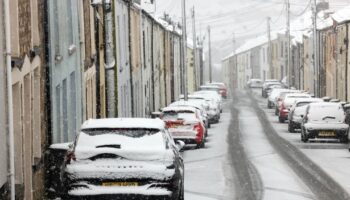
[319, 134]
[93, 190]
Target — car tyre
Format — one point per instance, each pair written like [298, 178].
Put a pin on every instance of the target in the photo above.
[344, 139]
[281, 120]
[276, 111]
[304, 138]
[291, 128]
[269, 105]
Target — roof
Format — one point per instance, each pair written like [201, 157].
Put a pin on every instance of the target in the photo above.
[179, 108]
[123, 123]
[342, 15]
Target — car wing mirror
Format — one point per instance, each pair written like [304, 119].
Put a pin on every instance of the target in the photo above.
[180, 145]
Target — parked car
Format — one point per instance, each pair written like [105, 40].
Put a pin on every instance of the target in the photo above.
[185, 124]
[210, 88]
[267, 85]
[255, 83]
[214, 106]
[287, 104]
[212, 110]
[324, 120]
[222, 88]
[124, 159]
[274, 94]
[297, 112]
[269, 89]
[279, 99]
[211, 95]
[203, 113]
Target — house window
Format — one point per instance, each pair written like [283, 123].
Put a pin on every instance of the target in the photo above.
[56, 27]
[70, 21]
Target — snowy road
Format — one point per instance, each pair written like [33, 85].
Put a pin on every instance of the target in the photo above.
[208, 172]
[250, 156]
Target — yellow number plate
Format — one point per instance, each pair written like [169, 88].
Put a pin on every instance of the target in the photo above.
[326, 134]
[121, 184]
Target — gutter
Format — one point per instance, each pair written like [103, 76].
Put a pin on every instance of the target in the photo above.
[10, 102]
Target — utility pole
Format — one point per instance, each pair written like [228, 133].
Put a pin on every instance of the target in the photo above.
[110, 61]
[210, 63]
[10, 101]
[194, 35]
[289, 70]
[315, 50]
[231, 73]
[269, 47]
[184, 46]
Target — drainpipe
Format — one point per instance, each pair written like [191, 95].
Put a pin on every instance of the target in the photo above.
[110, 61]
[10, 102]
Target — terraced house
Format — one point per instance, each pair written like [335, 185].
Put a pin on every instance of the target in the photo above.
[29, 99]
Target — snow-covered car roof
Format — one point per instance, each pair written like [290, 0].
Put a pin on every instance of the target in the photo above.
[297, 95]
[210, 86]
[187, 103]
[192, 96]
[307, 100]
[123, 123]
[179, 108]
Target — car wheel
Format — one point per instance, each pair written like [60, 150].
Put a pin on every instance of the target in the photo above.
[182, 192]
[209, 125]
[304, 138]
[344, 139]
[281, 120]
[276, 111]
[291, 128]
[268, 105]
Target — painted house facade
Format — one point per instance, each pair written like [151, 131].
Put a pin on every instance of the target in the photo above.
[65, 69]
[29, 99]
[124, 85]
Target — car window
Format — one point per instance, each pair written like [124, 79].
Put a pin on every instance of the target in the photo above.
[172, 115]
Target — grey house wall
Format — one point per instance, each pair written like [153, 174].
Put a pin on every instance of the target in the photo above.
[3, 127]
[65, 69]
[123, 58]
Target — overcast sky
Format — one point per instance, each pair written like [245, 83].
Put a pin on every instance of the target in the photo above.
[244, 18]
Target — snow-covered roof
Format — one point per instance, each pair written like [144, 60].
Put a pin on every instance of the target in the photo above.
[252, 43]
[124, 123]
[342, 15]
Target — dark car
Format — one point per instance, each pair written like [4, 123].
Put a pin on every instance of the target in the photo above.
[124, 159]
[266, 86]
[324, 120]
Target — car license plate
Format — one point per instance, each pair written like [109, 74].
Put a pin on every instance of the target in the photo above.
[326, 134]
[178, 134]
[121, 184]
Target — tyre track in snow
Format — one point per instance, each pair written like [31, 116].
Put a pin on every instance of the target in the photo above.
[319, 182]
[249, 185]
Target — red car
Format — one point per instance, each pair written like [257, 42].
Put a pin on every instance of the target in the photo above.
[185, 124]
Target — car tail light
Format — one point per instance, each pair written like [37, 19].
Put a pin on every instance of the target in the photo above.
[70, 156]
[198, 129]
